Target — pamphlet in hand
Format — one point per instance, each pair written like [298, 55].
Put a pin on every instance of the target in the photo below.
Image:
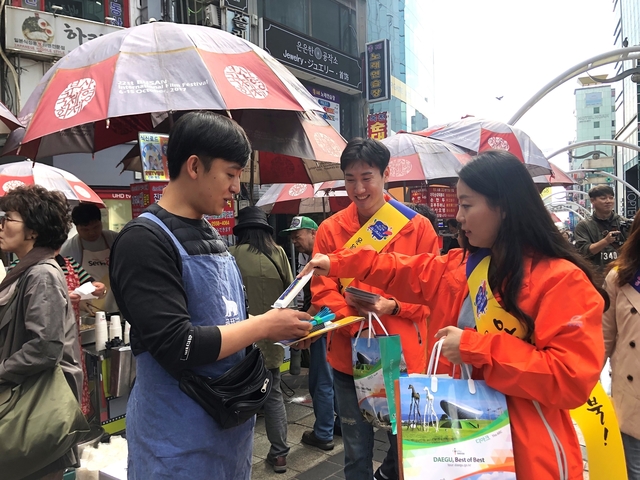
[362, 295]
[86, 291]
[323, 328]
[292, 291]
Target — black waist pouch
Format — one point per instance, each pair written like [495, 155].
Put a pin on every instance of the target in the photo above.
[236, 395]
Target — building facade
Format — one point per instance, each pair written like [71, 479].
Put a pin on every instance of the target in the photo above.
[410, 61]
[626, 33]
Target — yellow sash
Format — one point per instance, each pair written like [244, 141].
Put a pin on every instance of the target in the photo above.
[596, 418]
[380, 229]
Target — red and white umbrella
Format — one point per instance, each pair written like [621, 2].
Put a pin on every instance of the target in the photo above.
[8, 121]
[557, 179]
[16, 174]
[301, 199]
[478, 135]
[107, 90]
[416, 159]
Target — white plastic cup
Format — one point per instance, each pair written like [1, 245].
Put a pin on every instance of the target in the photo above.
[127, 333]
[115, 328]
[102, 333]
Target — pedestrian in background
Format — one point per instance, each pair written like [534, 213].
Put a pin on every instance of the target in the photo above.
[621, 326]
[266, 273]
[303, 236]
[38, 329]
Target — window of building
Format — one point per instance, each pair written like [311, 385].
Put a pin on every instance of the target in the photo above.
[292, 13]
[596, 109]
[86, 9]
[596, 124]
[596, 137]
[613, 123]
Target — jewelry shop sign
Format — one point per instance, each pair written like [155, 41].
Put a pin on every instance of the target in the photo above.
[299, 51]
[42, 34]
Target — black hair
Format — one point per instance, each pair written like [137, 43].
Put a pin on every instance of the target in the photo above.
[43, 211]
[258, 239]
[372, 152]
[526, 227]
[601, 191]
[209, 136]
[427, 212]
[452, 222]
[85, 213]
[628, 261]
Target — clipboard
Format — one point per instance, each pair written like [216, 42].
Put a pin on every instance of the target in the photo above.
[322, 329]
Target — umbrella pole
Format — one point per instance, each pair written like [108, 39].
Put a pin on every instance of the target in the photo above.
[251, 172]
[324, 205]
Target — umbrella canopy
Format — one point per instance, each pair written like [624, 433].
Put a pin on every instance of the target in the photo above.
[417, 159]
[16, 174]
[301, 199]
[557, 179]
[479, 135]
[8, 121]
[105, 91]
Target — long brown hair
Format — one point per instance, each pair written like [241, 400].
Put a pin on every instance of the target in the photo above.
[628, 261]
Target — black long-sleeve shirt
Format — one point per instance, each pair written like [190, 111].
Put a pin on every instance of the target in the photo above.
[146, 278]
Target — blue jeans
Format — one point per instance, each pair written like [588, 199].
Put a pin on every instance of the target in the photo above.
[275, 418]
[357, 434]
[632, 454]
[321, 390]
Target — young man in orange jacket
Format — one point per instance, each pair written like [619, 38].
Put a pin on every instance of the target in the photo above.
[365, 166]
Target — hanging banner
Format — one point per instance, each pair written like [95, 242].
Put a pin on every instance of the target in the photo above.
[443, 201]
[153, 155]
[378, 71]
[378, 125]
[224, 222]
[330, 103]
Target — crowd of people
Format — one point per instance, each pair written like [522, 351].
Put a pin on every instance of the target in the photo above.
[197, 306]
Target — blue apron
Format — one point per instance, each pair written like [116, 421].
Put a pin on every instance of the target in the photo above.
[169, 435]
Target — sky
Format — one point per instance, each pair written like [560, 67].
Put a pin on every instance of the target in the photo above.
[485, 49]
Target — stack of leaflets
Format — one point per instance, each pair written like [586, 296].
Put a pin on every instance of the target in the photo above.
[362, 295]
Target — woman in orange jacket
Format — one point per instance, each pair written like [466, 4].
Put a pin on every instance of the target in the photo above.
[543, 346]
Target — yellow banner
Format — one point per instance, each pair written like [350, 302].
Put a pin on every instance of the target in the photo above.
[380, 229]
[596, 418]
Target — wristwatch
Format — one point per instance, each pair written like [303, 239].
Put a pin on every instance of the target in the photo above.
[396, 310]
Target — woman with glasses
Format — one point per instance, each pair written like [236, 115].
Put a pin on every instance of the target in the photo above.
[37, 325]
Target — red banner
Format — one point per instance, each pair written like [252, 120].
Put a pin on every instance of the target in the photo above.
[144, 194]
[224, 222]
[443, 201]
[378, 125]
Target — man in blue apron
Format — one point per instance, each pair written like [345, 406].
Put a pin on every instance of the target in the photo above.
[181, 290]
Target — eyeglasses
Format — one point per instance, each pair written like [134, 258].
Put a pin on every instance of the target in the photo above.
[4, 219]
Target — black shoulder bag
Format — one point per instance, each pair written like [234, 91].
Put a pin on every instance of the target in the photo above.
[235, 396]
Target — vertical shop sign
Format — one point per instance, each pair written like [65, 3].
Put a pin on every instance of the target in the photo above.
[378, 71]
[118, 10]
[224, 222]
[378, 125]
[144, 194]
[330, 103]
[153, 155]
[443, 201]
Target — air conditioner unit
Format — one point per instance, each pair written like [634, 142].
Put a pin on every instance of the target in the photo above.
[212, 16]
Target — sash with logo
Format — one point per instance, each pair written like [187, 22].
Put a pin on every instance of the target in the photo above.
[596, 418]
[380, 229]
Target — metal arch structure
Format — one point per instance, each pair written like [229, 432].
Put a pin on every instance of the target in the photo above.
[564, 193]
[564, 208]
[613, 56]
[602, 172]
[588, 143]
[569, 202]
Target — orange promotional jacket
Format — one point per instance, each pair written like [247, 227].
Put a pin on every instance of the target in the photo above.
[541, 382]
[410, 323]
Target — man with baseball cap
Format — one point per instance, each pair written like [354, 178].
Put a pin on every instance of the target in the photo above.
[303, 235]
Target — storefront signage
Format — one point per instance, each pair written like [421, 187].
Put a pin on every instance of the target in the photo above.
[299, 51]
[378, 125]
[224, 222]
[144, 194]
[237, 24]
[117, 11]
[153, 154]
[43, 34]
[443, 201]
[239, 5]
[330, 103]
[377, 71]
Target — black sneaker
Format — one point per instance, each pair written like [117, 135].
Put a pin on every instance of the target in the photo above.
[279, 464]
[378, 475]
[309, 438]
